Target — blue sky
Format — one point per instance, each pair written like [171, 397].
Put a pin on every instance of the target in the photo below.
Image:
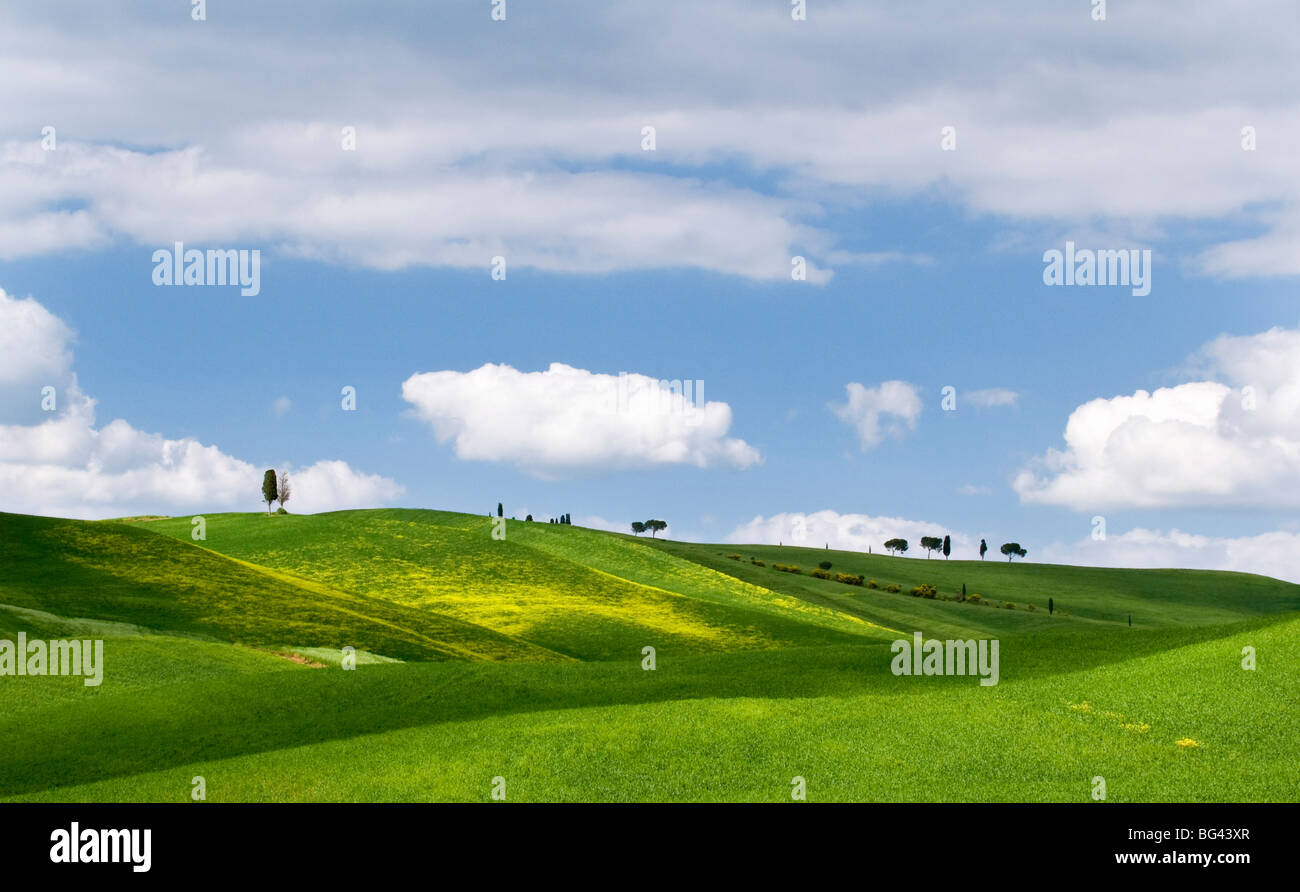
[790, 139]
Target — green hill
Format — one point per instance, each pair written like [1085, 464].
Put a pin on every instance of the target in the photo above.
[522, 658]
[128, 574]
[576, 592]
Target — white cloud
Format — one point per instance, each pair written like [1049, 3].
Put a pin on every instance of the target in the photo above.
[35, 354]
[846, 532]
[566, 420]
[281, 406]
[446, 156]
[970, 489]
[65, 466]
[991, 398]
[1275, 554]
[1233, 442]
[877, 412]
[583, 221]
[335, 486]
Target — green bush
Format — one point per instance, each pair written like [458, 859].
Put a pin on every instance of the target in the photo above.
[822, 574]
[786, 568]
[1009, 605]
[848, 579]
[825, 565]
[925, 590]
[893, 588]
[734, 557]
[757, 563]
[974, 599]
[873, 584]
[281, 510]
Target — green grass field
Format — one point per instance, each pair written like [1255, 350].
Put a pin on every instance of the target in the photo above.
[522, 659]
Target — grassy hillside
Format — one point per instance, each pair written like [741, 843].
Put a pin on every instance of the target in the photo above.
[522, 659]
[576, 592]
[1154, 598]
[714, 727]
[127, 574]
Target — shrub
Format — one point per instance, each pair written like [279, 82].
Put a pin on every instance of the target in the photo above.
[281, 510]
[1030, 607]
[786, 568]
[924, 590]
[974, 599]
[821, 574]
[848, 579]
[873, 584]
[825, 565]
[1009, 605]
[757, 563]
[893, 588]
[734, 557]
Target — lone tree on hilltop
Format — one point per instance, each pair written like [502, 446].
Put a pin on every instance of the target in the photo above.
[984, 546]
[282, 490]
[931, 543]
[947, 547]
[896, 546]
[638, 527]
[1013, 549]
[269, 489]
[655, 526]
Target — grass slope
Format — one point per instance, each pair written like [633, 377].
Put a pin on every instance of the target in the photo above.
[1154, 598]
[576, 592]
[714, 727]
[761, 675]
[127, 574]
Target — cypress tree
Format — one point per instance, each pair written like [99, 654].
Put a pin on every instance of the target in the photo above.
[269, 489]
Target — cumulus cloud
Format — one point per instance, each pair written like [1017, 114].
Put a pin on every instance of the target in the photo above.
[65, 465]
[877, 412]
[35, 354]
[1275, 553]
[991, 398]
[281, 406]
[1231, 442]
[566, 420]
[335, 486]
[847, 532]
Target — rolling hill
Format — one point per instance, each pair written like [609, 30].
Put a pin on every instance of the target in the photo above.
[523, 659]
